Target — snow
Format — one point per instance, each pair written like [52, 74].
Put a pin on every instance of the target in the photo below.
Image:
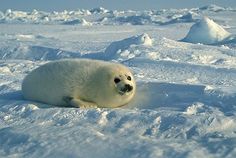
[120, 47]
[206, 31]
[185, 104]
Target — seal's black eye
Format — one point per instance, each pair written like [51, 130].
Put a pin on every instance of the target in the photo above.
[129, 78]
[116, 80]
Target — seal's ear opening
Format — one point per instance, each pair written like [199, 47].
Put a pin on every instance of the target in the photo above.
[117, 80]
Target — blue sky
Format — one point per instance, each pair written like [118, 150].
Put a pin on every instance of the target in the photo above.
[58, 5]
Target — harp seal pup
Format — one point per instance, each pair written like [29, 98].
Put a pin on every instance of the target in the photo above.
[80, 83]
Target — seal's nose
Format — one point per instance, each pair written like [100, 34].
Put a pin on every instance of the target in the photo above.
[128, 87]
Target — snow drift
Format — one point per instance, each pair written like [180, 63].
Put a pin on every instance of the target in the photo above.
[118, 48]
[206, 31]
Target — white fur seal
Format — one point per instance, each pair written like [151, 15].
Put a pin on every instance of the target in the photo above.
[80, 83]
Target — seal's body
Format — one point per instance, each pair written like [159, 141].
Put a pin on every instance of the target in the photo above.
[80, 83]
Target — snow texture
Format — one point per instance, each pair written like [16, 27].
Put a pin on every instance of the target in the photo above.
[185, 106]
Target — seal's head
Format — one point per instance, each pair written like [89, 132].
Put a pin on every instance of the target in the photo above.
[120, 85]
[124, 84]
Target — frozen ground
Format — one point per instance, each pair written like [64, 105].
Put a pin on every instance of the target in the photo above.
[186, 99]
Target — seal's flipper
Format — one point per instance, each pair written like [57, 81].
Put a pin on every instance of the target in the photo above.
[78, 103]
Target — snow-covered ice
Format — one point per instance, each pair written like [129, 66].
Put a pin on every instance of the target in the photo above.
[185, 104]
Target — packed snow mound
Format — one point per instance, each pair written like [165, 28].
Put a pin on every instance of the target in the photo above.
[118, 47]
[206, 31]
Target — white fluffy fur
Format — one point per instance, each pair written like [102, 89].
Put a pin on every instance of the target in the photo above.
[80, 83]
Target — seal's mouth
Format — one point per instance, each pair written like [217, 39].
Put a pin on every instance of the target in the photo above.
[126, 89]
[121, 92]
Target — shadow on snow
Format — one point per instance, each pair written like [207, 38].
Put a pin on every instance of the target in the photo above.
[154, 95]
